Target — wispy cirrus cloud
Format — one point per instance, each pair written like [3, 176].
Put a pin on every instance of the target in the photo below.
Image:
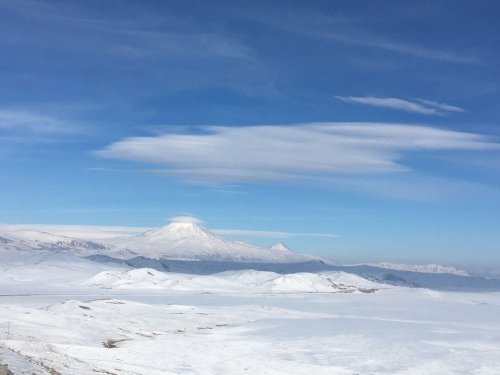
[269, 234]
[425, 107]
[365, 40]
[153, 53]
[24, 120]
[218, 154]
[353, 30]
[441, 106]
[133, 34]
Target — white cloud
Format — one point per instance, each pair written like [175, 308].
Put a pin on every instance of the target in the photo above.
[289, 152]
[130, 34]
[351, 30]
[425, 107]
[268, 234]
[186, 219]
[21, 120]
[441, 106]
[365, 40]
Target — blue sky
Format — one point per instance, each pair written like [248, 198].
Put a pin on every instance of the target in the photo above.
[374, 121]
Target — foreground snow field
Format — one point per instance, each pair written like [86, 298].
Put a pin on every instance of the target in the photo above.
[72, 316]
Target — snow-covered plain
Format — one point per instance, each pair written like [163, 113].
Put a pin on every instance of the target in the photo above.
[61, 314]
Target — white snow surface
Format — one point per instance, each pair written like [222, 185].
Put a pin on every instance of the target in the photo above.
[61, 314]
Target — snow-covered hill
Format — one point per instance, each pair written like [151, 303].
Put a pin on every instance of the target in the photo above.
[249, 281]
[66, 315]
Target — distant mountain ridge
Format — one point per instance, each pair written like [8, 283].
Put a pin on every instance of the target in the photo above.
[32, 240]
[436, 281]
[425, 268]
[183, 239]
[180, 239]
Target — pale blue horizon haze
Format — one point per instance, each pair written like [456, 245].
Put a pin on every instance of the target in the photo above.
[363, 131]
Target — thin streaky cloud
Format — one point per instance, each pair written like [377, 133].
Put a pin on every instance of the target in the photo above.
[441, 106]
[421, 106]
[22, 120]
[402, 48]
[269, 234]
[393, 103]
[141, 36]
[351, 31]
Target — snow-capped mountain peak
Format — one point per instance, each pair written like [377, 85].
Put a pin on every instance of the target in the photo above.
[179, 230]
[185, 238]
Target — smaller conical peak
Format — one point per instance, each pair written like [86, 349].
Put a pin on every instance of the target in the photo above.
[279, 246]
[179, 227]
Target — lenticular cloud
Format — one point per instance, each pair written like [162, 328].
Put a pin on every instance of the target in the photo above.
[287, 152]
